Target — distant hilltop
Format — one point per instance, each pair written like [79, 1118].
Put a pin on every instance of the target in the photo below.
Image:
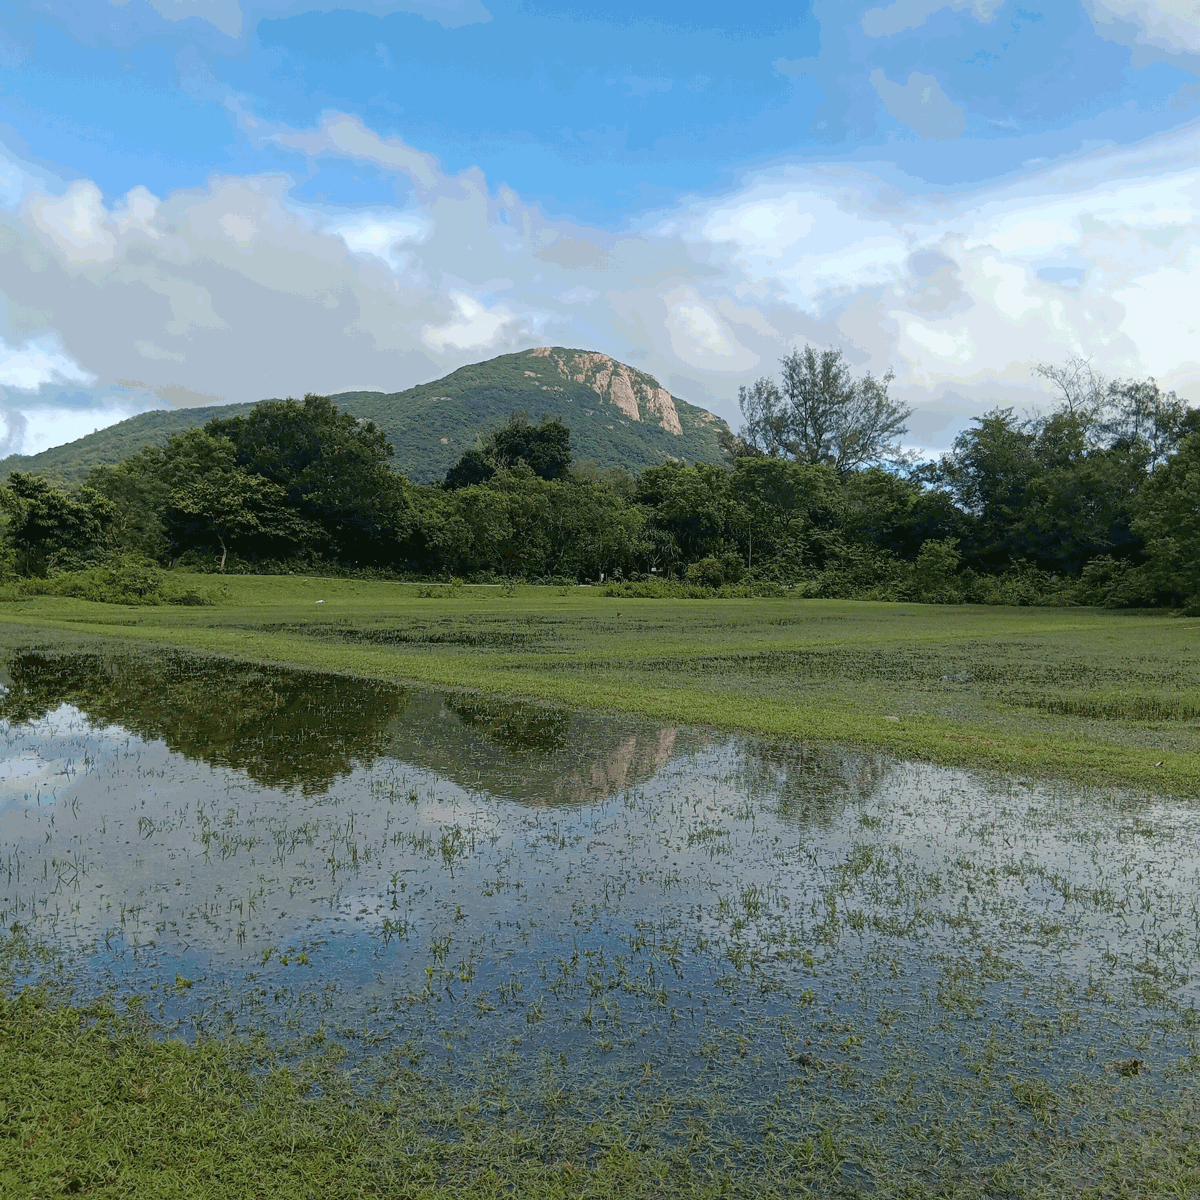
[618, 417]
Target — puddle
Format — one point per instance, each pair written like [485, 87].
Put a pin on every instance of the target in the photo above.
[509, 896]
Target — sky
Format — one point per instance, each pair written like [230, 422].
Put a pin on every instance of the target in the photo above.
[216, 201]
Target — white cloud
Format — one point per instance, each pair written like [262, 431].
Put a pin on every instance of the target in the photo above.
[226, 15]
[909, 14]
[579, 295]
[478, 327]
[920, 104]
[1170, 25]
[696, 330]
[947, 345]
[237, 291]
[380, 234]
[342, 135]
[39, 361]
[75, 221]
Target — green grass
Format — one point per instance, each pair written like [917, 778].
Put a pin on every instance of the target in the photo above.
[1091, 695]
[92, 1104]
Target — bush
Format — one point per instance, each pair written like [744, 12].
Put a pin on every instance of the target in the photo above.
[716, 571]
[934, 577]
[1023, 584]
[121, 581]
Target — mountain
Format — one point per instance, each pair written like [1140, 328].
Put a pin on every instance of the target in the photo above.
[70, 463]
[618, 417]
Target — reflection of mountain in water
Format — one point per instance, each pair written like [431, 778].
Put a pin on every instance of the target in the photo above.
[533, 753]
[289, 728]
[283, 728]
[809, 783]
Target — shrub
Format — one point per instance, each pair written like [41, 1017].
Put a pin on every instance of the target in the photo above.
[716, 570]
[119, 581]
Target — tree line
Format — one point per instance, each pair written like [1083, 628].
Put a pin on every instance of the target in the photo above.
[1096, 501]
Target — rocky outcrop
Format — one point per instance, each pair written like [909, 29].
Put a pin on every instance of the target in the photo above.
[632, 392]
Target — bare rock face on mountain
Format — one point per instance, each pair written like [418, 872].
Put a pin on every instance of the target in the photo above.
[634, 392]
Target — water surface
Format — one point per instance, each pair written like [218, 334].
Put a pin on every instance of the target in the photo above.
[515, 898]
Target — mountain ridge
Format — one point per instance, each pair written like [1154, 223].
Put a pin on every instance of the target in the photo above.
[619, 416]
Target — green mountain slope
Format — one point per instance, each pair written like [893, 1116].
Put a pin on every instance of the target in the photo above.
[70, 463]
[618, 417]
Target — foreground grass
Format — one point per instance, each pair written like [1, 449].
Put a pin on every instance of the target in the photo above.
[92, 1104]
[1092, 695]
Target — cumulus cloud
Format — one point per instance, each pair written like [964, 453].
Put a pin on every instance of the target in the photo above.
[39, 361]
[909, 14]
[238, 291]
[1170, 25]
[477, 326]
[920, 104]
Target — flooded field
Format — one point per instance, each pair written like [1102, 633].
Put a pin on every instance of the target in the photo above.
[729, 944]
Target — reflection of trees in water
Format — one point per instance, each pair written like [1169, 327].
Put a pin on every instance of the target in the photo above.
[518, 727]
[284, 728]
[289, 728]
[805, 783]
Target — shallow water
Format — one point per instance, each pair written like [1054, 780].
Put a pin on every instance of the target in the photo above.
[591, 909]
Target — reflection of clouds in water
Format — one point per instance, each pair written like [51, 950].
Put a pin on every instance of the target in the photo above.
[24, 768]
[40, 758]
[61, 720]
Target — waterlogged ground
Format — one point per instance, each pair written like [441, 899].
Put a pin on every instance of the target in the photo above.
[730, 943]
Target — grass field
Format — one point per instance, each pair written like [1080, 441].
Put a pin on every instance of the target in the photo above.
[1095, 696]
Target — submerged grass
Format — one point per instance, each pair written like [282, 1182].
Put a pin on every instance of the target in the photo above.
[1091, 695]
[93, 1104]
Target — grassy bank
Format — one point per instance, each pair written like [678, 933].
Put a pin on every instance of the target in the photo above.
[1092, 695]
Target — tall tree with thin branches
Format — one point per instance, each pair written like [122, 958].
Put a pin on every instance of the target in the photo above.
[821, 415]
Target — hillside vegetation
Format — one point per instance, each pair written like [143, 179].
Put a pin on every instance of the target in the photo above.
[618, 417]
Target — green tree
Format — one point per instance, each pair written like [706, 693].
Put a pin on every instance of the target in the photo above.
[333, 470]
[691, 510]
[988, 473]
[233, 509]
[779, 503]
[1168, 518]
[821, 415]
[50, 528]
[215, 502]
[544, 448]
[139, 494]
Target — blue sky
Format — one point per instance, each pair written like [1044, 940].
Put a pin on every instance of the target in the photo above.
[218, 200]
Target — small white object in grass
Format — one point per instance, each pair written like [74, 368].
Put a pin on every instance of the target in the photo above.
[891, 718]
[320, 601]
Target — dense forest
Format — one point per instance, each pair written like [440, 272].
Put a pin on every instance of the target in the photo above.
[1096, 501]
